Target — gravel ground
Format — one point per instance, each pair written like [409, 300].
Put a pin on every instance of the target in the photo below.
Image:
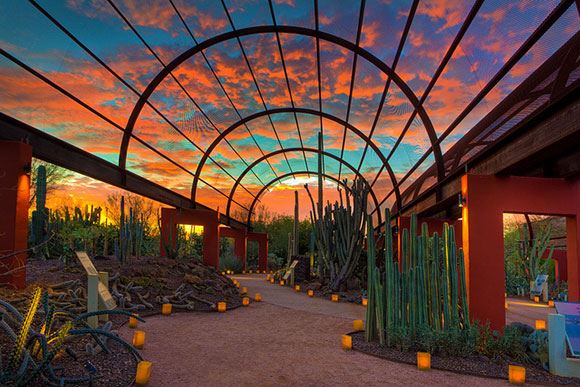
[288, 339]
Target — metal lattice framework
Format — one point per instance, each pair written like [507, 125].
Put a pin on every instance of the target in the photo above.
[542, 88]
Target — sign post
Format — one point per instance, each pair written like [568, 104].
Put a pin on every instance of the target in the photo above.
[98, 295]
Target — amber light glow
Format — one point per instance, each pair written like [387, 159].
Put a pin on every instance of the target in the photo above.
[551, 303]
[258, 297]
[540, 324]
[297, 288]
[334, 298]
[310, 293]
[423, 361]
[346, 342]
[166, 309]
[365, 302]
[139, 339]
[246, 301]
[517, 375]
[536, 299]
[143, 373]
[133, 322]
[282, 282]
[271, 280]
[244, 290]
[358, 325]
[221, 307]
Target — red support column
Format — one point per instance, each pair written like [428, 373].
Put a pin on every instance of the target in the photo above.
[573, 252]
[171, 217]
[15, 160]
[262, 239]
[561, 266]
[168, 231]
[240, 242]
[211, 244]
[487, 199]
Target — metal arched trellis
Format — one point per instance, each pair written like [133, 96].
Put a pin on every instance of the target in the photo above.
[299, 149]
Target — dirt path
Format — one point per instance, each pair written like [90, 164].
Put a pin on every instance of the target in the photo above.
[289, 339]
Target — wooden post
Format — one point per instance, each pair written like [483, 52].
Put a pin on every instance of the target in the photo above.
[104, 279]
[93, 298]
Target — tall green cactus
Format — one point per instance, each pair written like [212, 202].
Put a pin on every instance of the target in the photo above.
[338, 228]
[429, 289]
[532, 251]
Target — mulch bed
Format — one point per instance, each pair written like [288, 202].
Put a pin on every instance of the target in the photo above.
[158, 277]
[472, 365]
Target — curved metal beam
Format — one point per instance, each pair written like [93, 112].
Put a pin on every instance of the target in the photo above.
[289, 30]
[281, 177]
[298, 149]
[328, 116]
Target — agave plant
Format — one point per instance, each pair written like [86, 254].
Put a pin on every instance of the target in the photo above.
[32, 352]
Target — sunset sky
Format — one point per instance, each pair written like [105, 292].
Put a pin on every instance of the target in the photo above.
[499, 28]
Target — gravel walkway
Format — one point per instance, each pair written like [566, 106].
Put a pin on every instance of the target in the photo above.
[288, 339]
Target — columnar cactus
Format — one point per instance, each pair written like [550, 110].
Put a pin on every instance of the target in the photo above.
[429, 289]
[339, 229]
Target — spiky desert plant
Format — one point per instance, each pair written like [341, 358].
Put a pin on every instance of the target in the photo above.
[339, 228]
[427, 289]
[32, 352]
[531, 253]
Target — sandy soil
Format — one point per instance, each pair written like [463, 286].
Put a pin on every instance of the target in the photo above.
[288, 339]
[527, 311]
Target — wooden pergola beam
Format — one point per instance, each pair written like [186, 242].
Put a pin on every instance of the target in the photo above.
[63, 154]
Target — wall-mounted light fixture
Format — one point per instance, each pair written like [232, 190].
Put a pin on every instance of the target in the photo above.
[461, 200]
[27, 169]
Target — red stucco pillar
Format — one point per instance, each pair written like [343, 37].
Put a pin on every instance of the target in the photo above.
[263, 255]
[240, 242]
[487, 199]
[15, 160]
[484, 251]
[262, 239]
[171, 217]
[168, 231]
[211, 244]
[241, 248]
[573, 254]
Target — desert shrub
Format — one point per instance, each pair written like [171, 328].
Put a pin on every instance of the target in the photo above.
[229, 261]
[514, 343]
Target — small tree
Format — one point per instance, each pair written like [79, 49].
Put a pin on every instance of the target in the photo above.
[532, 251]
